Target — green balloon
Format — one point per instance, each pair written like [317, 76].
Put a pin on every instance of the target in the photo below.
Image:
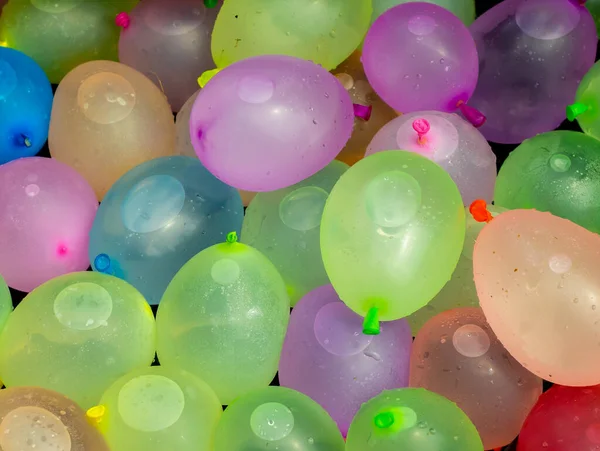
[411, 419]
[77, 334]
[223, 318]
[284, 225]
[587, 103]
[593, 7]
[460, 290]
[463, 9]
[6, 306]
[62, 34]
[323, 31]
[277, 418]
[556, 172]
[392, 232]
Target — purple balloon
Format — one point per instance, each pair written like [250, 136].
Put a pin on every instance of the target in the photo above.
[420, 56]
[268, 122]
[327, 357]
[532, 55]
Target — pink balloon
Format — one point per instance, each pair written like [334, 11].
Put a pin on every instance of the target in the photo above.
[538, 282]
[46, 213]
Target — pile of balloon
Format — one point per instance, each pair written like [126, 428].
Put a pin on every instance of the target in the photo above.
[299, 225]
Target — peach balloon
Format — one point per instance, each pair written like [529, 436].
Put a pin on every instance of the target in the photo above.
[352, 76]
[457, 355]
[538, 282]
[106, 119]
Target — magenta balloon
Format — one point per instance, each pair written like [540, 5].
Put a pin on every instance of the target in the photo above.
[268, 122]
[169, 42]
[46, 213]
[420, 56]
[532, 55]
[326, 356]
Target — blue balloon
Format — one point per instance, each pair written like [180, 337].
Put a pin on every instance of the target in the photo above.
[25, 105]
[158, 216]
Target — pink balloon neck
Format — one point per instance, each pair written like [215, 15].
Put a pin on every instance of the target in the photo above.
[422, 127]
[362, 112]
[474, 116]
[123, 20]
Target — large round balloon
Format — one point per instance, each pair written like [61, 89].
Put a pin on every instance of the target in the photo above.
[463, 9]
[271, 121]
[539, 284]
[46, 214]
[392, 232]
[156, 409]
[411, 419]
[419, 56]
[106, 119]
[277, 418]
[326, 356]
[25, 107]
[532, 54]
[448, 140]
[77, 334]
[555, 172]
[223, 318]
[587, 101]
[325, 32]
[169, 42]
[458, 356]
[564, 419]
[62, 34]
[158, 216]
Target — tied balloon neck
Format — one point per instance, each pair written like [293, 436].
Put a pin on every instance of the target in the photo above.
[232, 237]
[103, 264]
[480, 212]
[362, 111]
[95, 415]
[473, 115]
[25, 141]
[384, 420]
[123, 20]
[422, 127]
[211, 3]
[576, 109]
[371, 323]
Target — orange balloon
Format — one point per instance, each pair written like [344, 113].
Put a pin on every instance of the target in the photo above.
[538, 282]
[352, 76]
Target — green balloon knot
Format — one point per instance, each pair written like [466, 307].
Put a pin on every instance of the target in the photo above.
[232, 237]
[575, 110]
[210, 3]
[384, 420]
[371, 323]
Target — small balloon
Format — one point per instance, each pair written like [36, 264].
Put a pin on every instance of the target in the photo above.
[463, 9]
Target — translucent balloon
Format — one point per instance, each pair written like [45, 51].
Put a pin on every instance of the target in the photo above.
[285, 226]
[290, 117]
[460, 290]
[36, 418]
[532, 54]
[411, 419]
[448, 140]
[278, 418]
[106, 119]
[77, 334]
[463, 9]
[223, 318]
[46, 214]
[392, 232]
[323, 32]
[158, 216]
[555, 172]
[158, 408]
[564, 419]
[527, 262]
[26, 101]
[373, 113]
[587, 100]
[62, 34]
[6, 305]
[169, 42]
[419, 56]
[326, 356]
[458, 356]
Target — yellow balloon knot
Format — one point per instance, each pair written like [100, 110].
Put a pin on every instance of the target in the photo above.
[207, 76]
[95, 414]
[3, 44]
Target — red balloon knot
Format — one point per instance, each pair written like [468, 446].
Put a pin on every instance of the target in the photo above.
[422, 127]
[479, 211]
[123, 20]
[362, 112]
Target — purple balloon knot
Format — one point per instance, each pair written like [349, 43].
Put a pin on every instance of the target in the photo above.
[422, 127]
[474, 116]
[363, 112]
[123, 20]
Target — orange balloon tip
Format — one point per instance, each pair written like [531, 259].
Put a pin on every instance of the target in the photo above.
[479, 211]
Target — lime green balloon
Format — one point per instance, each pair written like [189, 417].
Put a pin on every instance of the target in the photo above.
[62, 34]
[223, 318]
[323, 31]
[392, 232]
[156, 409]
[411, 419]
[77, 334]
[586, 108]
[460, 290]
[284, 225]
[6, 306]
[463, 9]
[277, 418]
[558, 172]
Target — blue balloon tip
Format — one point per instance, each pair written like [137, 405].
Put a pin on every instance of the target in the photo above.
[102, 263]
